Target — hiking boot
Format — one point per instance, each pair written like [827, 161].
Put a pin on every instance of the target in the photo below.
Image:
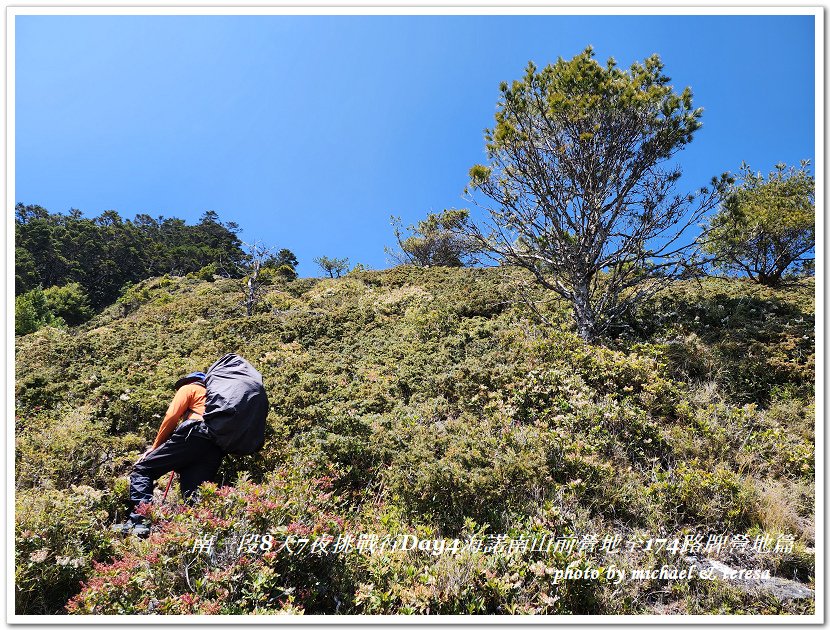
[142, 530]
[137, 525]
[122, 528]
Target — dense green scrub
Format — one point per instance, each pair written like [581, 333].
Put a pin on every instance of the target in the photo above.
[429, 402]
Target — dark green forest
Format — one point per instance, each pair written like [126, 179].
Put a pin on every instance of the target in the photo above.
[69, 267]
[104, 253]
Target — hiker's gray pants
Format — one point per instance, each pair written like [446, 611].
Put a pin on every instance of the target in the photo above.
[189, 451]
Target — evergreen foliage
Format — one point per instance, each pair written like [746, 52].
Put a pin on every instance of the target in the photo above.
[31, 312]
[334, 267]
[437, 240]
[284, 264]
[766, 227]
[69, 302]
[55, 306]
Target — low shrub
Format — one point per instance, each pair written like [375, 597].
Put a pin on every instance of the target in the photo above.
[59, 534]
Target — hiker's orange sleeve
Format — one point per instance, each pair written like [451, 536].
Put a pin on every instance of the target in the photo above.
[191, 396]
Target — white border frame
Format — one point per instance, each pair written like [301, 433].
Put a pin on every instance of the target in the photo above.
[462, 7]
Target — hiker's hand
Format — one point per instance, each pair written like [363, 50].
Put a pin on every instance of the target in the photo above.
[144, 454]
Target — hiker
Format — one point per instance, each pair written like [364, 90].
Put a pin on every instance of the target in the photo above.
[183, 444]
[220, 412]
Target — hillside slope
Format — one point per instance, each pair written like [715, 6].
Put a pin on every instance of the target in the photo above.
[426, 402]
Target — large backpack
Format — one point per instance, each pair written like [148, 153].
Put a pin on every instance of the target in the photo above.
[235, 405]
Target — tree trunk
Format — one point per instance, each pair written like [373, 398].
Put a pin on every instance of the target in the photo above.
[249, 297]
[584, 315]
[253, 286]
[770, 280]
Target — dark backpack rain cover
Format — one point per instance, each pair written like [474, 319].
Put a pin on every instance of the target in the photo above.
[236, 405]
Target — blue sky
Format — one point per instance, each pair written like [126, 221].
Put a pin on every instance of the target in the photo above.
[311, 131]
